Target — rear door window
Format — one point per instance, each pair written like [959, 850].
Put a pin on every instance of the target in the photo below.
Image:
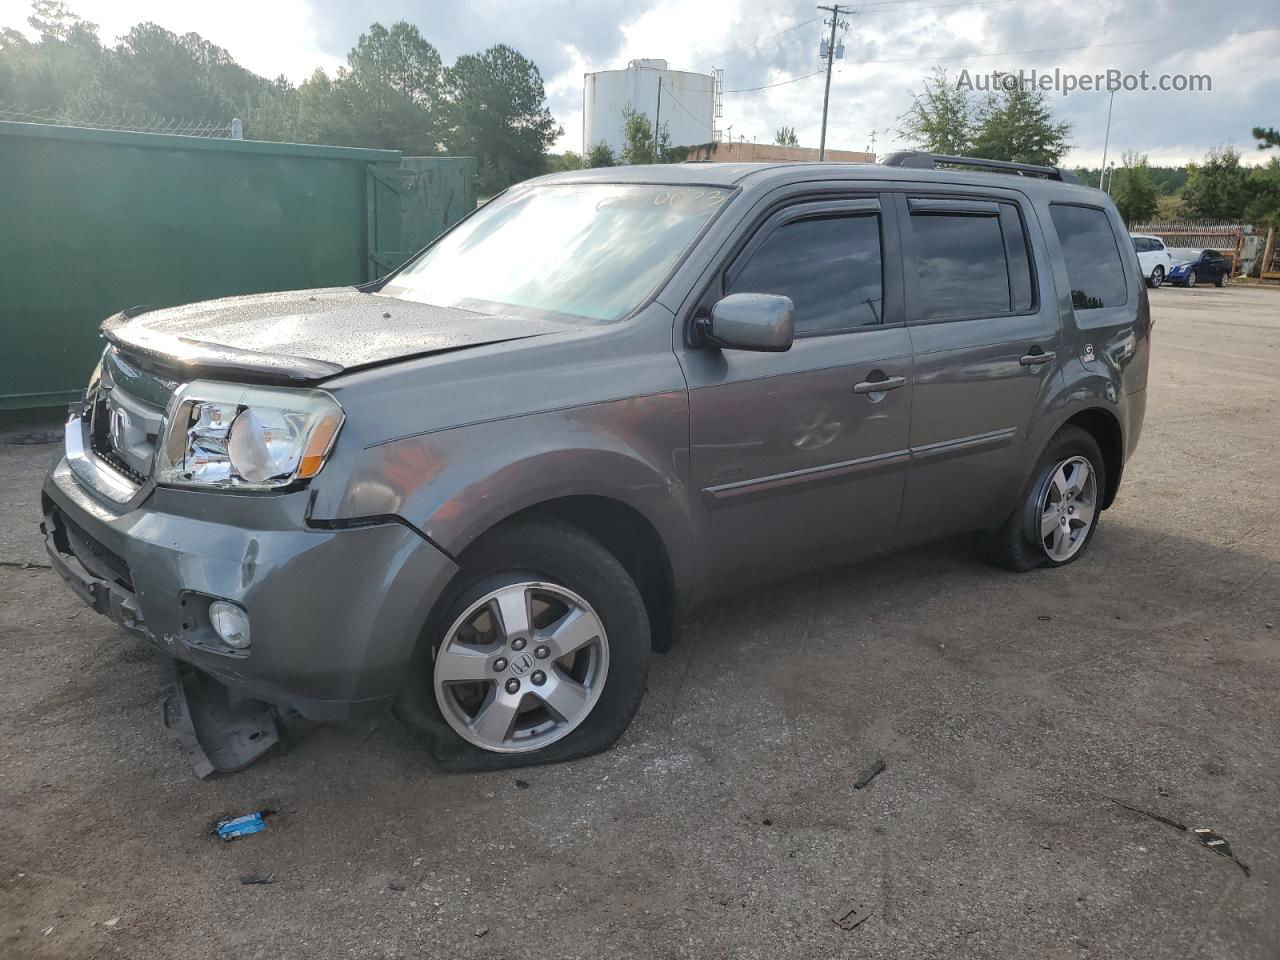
[971, 259]
[1092, 257]
[830, 267]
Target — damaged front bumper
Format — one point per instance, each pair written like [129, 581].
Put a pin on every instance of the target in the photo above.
[335, 613]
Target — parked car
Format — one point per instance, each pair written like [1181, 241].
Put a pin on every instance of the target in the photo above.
[1207, 266]
[1153, 257]
[482, 489]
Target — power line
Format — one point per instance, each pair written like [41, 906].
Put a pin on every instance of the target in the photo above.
[780, 83]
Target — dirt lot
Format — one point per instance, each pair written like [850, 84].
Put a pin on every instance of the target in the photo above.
[1008, 709]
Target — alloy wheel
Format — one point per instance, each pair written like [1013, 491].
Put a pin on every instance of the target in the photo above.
[522, 667]
[1067, 507]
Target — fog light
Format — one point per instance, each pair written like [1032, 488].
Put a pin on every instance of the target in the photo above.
[231, 623]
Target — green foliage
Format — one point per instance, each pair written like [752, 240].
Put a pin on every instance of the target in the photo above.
[561, 162]
[497, 111]
[1167, 181]
[638, 145]
[1264, 189]
[1016, 124]
[1218, 189]
[1267, 137]
[1170, 208]
[786, 137]
[394, 92]
[941, 117]
[600, 155]
[1135, 192]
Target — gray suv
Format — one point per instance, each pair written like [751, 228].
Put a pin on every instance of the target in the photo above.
[482, 490]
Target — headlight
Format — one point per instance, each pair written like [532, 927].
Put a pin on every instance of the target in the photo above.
[240, 437]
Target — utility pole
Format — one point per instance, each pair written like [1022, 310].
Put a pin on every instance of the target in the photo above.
[657, 122]
[835, 10]
[1106, 140]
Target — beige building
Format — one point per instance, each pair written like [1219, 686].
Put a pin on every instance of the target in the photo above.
[772, 153]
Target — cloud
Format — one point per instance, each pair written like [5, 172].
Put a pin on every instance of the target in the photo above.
[890, 46]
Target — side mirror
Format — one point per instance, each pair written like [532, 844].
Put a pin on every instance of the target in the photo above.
[752, 321]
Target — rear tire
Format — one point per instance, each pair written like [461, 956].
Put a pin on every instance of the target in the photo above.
[1017, 544]
[545, 564]
[1221, 281]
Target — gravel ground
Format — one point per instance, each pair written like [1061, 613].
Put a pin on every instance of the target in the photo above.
[1010, 711]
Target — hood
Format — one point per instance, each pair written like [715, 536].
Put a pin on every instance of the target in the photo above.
[306, 335]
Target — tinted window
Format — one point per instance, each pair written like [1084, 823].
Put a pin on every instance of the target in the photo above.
[1142, 245]
[830, 268]
[1157, 244]
[963, 271]
[1092, 257]
[1210, 254]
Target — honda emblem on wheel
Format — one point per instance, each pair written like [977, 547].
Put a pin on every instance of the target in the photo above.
[522, 664]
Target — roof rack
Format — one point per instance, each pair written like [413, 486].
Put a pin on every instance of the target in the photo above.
[930, 161]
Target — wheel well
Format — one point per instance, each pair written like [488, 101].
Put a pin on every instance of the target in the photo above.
[629, 536]
[1105, 429]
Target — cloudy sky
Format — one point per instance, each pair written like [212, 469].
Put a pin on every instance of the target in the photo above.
[890, 46]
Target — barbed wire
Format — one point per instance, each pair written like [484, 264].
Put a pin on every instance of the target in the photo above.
[129, 122]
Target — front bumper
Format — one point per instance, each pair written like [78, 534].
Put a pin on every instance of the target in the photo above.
[335, 614]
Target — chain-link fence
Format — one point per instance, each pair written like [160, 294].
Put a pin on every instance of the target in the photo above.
[133, 123]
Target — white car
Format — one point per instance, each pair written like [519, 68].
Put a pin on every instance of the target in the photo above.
[1154, 258]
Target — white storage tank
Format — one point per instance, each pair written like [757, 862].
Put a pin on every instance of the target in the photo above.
[687, 108]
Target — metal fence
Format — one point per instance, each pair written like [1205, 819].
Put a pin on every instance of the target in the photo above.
[129, 122]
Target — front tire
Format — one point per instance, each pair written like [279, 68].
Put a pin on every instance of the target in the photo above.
[1191, 279]
[1058, 513]
[1157, 278]
[537, 653]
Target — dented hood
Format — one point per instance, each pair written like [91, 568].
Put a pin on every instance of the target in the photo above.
[306, 335]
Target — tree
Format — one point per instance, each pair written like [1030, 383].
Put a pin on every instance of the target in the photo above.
[560, 162]
[1136, 195]
[600, 155]
[1218, 188]
[1016, 124]
[786, 137]
[940, 119]
[638, 145]
[1267, 137]
[498, 113]
[1264, 186]
[57, 69]
[394, 88]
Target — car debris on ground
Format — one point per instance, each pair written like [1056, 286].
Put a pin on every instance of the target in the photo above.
[869, 773]
[237, 827]
[1206, 836]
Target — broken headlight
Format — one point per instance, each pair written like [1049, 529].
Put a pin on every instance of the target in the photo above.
[229, 435]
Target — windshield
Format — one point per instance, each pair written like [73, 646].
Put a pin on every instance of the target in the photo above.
[590, 253]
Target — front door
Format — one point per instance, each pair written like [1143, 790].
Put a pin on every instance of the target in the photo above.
[986, 348]
[798, 458]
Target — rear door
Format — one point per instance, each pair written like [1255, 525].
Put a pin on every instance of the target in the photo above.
[798, 460]
[985, 345]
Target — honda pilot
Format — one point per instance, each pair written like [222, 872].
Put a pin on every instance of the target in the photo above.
[482, 490]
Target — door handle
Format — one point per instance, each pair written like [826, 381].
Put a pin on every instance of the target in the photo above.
[1034, 359]
[879, 386]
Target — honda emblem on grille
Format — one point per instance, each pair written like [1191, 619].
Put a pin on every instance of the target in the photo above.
[119, 426]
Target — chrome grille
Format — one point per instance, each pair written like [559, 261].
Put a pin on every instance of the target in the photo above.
[127, 415]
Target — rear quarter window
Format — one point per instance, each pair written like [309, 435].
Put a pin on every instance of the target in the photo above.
[1092, 257]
